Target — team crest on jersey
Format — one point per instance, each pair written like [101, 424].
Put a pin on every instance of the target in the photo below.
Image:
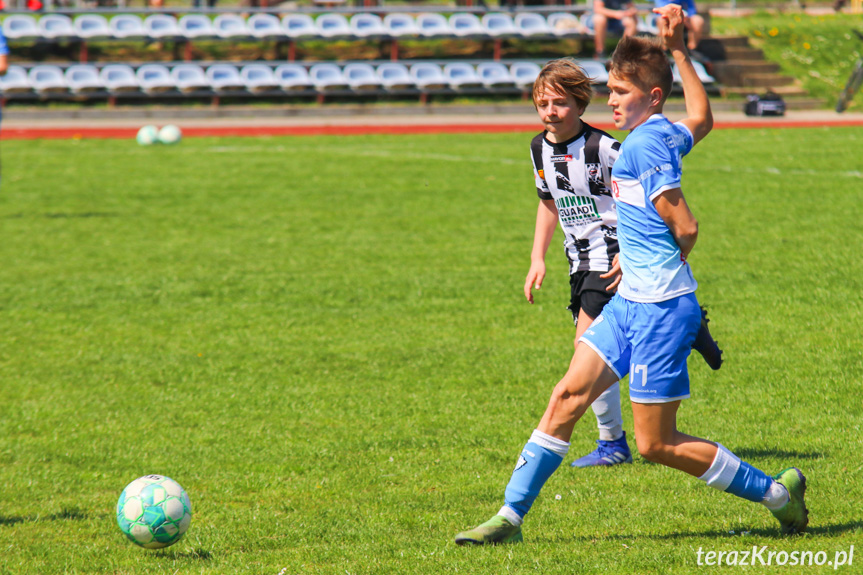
[541, 173]
[594, 172]
[564, 158]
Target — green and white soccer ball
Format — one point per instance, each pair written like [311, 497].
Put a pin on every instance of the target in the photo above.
[148, 135]
[170, 134]
[154, 511]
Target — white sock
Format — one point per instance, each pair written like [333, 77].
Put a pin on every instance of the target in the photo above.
[510, 516]
[721, 472]
[609, 418]
[776, 497]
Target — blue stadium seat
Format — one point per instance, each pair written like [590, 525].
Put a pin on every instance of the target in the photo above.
[90, 26]
[161, 26]
[595, 70]
[565, 24]
[230, 26]
[400, 25]
[57, 27]
[127, 26]
[47, 79]
[428, 76]
[193, 26]
[259, 78]
[700, 70]
[15, 81]
[529, 24]
[333, 26]
[119, 78]
[327, 77]
[293, 77]
[524, 74]
[154, 79]
[298, 26]
[367, 26]
[461, 75]
[83, 79]
[495, 75]
[498, 25]
[361, 77]
[265, 26]
[21, 27]
[466, 24]
[394, 76]
[225, 78]
[189, 78]
[432, 25]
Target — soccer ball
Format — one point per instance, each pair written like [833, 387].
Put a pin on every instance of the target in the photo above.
[170, 134]
[148, 135]
[154, 511]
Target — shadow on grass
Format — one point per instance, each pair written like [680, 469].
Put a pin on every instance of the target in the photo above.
[811, 531]
[199, 554]
[752, 453]
[65, 514]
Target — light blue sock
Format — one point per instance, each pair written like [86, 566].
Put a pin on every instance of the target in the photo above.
[730, 474]
[540, 458]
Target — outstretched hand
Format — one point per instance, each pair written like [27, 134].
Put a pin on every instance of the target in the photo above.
[670, 25]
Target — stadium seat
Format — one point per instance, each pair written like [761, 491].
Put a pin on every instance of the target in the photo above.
[194, 26]
[524, 74]
[259, 78]
[47, 79]
[394, 76]
[90, 26]
[595, 70]
[498, 25]
[361, 77]
[466, 24]
[587, 21]
[154, 78]
[327, 77]
[298, 26]
[433, 25]
[700, 70]
[529, 24]
[225, 78]
[127, 26]
[83, 79]
[20, 27]
[161, 27]
[119, 78]
[367, 26]
[293, 77]
[230, 26]
[15, 81]
[333, 26]
[400, 25]
[263, 26]
[461, 75]
[565, 24]
[189, 78]
[428, 76]
[495, 75]
[57, 27]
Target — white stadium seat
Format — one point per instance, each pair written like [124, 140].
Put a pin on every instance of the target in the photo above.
[565, 24]
[524, 74]
[495, 75]
[292, 77]
[15, 81]
[92, 26]
[595, 70]
[57, 27]
[119, 78]
[466, 24]
[126, 26]
[587, 21]
[700, 70]
[83, 78]
[189, 78]
[498, 25]
[161, 26]
[298, 26]
[225, 78]
[265, 26]
[47, 79]
[394, 76]
[328, 77]
[529, 24]
[20, 26]
[230, 26]
[461, 75]
[154, 78]
[194, 26]
[431, 24]
[333, 26]
[259, 78]
[428, 76]
[361, 77]
[367, 26]
[400, 25]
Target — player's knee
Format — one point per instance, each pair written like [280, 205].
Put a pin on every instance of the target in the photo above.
[565, 400]
[653, 450]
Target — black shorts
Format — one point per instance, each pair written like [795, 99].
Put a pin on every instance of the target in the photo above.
[588, 293]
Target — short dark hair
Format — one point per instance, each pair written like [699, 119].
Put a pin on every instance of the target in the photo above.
[565, 75]
[643, 62]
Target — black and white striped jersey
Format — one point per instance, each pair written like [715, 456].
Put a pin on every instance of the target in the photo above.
[576, 174]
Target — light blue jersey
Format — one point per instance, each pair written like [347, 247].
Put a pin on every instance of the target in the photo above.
[654, 268]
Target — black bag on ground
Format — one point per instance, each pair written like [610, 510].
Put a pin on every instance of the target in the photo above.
[769, 104]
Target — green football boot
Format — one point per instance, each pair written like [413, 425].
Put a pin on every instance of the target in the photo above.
[498, 529]
[793, 517]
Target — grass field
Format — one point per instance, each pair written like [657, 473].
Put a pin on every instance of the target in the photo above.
[324, 340]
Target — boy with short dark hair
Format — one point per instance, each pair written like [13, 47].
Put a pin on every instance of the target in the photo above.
[648, 327]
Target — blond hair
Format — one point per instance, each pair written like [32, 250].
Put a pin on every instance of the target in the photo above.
[567, 76]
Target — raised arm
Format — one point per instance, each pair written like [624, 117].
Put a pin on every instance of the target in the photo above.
[546, 222]
[699, 118]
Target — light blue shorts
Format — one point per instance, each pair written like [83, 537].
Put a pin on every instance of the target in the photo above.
[650, 342]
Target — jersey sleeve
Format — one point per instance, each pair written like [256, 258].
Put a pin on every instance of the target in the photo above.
[657, 167]
[538, 174]
[685, 140]
[609, 150]
[4, 47]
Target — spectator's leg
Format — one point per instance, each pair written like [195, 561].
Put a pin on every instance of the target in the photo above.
[630, 26]
[600, 27]
[695, 23]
